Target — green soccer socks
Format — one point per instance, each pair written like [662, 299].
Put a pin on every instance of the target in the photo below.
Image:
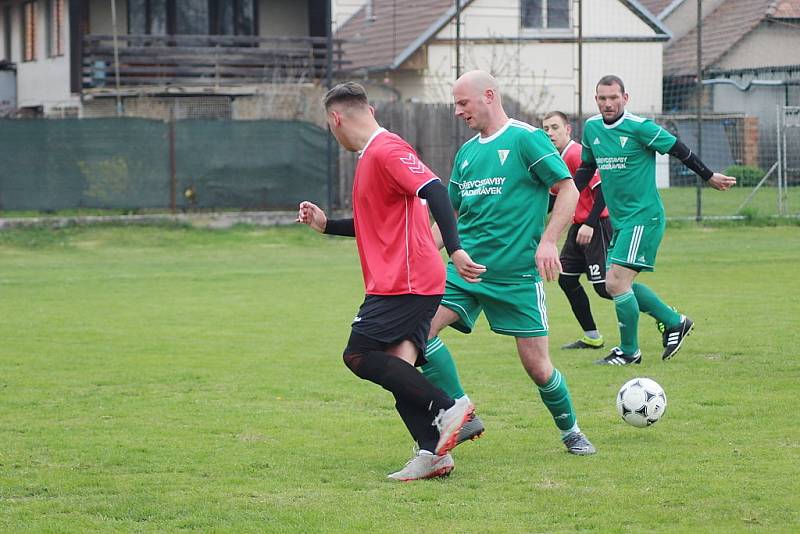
[441, 369]
[555, 396]
[628, 318]
[650, 304]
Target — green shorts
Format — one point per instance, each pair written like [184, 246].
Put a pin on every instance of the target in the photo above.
[636, 246]
[512, 309]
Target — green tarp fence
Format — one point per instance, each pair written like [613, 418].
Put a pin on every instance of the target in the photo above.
[128, 163]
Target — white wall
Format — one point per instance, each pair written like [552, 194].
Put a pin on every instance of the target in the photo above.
[341, 10]
[46, 81]
[768, 45]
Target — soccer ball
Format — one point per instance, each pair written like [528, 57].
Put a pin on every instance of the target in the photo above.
[641, 402]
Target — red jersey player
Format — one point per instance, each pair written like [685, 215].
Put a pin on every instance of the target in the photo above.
[403, 274]
[586, 246]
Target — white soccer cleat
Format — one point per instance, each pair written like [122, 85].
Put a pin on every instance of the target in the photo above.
[423, 465]
[449, 422]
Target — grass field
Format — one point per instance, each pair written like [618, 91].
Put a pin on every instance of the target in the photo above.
[161, 379]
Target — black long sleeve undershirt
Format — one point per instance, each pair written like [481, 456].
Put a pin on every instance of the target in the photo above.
[597, 208]
[343, 227]
[690, 159]
[442, 210]
[584, 175]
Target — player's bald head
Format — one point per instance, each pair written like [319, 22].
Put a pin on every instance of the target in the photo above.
[477, 81]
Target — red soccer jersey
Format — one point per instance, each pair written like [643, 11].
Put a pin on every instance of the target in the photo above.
[572, 157]
[395, 244]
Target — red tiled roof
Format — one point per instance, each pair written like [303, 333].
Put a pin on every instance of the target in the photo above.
[786, 9]
[381, 41]
[722, 29]
[656, 6]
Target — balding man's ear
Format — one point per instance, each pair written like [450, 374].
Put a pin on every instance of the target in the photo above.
[488, 96]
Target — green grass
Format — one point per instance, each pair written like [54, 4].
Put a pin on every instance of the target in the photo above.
[681, 202]
[161, 379]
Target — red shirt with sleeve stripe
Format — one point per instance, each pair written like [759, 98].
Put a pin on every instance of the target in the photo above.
[572, 157]
[397, 251]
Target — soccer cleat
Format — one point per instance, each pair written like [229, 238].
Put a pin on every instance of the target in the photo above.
[449, 423]
[472, 429]
[661, 326]
[585, 343]
[577, 443]
[673, 337]
[617, 357]
[423, 465]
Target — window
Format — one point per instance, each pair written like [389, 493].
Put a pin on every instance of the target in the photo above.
[545, 13]
[55, 27]
[191, 17]
[147, 17]
[29, 31]
[233, 18]
[7, 32]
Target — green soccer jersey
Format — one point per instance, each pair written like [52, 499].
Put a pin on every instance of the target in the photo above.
[625, 154]
[499, 187]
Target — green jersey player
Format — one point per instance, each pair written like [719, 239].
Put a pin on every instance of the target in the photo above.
[623, 147]
[499, 188]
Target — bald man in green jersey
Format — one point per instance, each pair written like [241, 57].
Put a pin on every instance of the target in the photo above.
[499, 188]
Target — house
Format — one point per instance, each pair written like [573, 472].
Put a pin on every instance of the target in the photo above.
[414, 50]
[66, 54]
[750, 66]
[679, 16]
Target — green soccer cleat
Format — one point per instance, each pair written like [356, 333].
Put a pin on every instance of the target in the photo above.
[585, 343]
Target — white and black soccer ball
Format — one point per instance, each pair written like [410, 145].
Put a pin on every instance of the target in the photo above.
[641, 402]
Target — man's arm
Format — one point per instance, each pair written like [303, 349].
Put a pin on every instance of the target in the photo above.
[584, 174]
[441, 209]
[312, 215]
[586, 231]
[343, 227]
[690, 159]
[547, 261]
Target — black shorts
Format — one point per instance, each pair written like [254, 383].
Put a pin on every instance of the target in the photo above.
[387, 320]
[590, 259]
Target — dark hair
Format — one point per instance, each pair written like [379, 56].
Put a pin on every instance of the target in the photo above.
[610, 79]
[348, 93]
[560, 114]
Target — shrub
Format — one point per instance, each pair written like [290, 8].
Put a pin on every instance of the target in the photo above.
[746, 175]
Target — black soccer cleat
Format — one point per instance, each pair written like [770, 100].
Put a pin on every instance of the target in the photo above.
[472, 430]
[585, 343]
[617, 357]
[673, 337]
